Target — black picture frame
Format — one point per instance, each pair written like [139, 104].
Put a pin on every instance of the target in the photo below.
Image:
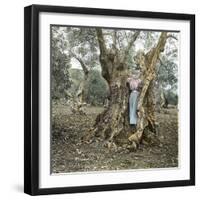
[31, 99]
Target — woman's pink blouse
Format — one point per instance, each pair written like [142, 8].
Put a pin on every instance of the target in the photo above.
[133, 83]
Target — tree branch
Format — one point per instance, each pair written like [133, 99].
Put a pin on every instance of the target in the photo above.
[103, 58]
[83, 65]
[101, 41]
[152, 59]
[130, 44]
[172, 52]
[114, 36]
[152, 56]
[172, 36]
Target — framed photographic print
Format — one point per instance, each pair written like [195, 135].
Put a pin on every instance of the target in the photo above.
[109, 99]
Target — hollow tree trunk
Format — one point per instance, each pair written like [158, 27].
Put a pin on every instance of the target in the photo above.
[113, 122]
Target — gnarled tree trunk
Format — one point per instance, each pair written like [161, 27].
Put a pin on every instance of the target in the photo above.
[113, 123]
[146, 103]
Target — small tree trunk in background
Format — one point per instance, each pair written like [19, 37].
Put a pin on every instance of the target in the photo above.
[163, 103]
[81, 93]
[80, 99]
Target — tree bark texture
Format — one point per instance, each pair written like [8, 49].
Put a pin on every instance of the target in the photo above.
[146, 103]
[113, 124]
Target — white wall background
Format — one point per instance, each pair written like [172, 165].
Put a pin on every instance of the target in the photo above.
[11, 98]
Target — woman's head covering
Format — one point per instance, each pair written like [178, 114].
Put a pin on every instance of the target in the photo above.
[135, 73]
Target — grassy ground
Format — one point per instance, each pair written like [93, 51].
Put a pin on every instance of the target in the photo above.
[69, 154]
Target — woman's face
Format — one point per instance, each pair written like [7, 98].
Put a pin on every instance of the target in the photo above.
[136, 75]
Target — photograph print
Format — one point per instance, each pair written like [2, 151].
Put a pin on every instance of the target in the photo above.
[114, 99]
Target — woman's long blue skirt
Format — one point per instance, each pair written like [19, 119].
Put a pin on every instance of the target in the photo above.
[133, 100]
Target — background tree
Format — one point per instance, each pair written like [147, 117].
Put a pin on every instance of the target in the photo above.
[167, 70]
[60, 62]
[84, 49]
[97, 89]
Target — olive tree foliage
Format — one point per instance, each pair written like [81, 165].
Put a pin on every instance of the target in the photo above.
[80, 45]
[97, 89]
[166, 81]
[167, 78]
[60, 63]
[82, 48]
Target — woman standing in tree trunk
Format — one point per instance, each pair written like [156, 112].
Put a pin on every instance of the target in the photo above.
[134, 84]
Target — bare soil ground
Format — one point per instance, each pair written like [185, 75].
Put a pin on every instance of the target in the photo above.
[69, 154]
